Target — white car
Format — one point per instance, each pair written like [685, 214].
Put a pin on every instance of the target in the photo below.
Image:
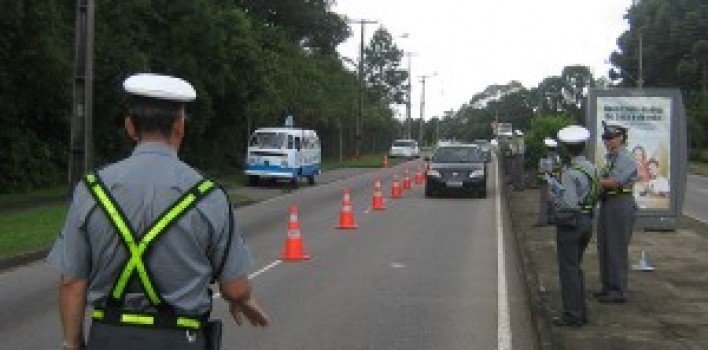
[404, 148]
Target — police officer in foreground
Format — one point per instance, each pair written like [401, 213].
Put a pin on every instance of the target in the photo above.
[574, 198]
[617, 215]
[549, 164]
[145, 237]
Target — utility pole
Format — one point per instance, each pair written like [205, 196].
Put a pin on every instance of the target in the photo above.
[81, 140]
[640, 78]
[362, 23]
[422, 107]
[408, 97]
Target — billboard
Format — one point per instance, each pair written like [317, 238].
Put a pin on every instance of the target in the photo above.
[657, 140]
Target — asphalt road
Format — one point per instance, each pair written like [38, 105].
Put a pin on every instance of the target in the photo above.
[695, 203]
[420, 275]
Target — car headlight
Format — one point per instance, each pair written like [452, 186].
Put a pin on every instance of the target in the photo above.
[477, 173]
[433, 173]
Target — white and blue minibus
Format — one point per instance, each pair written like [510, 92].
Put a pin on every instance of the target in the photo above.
[283, 153]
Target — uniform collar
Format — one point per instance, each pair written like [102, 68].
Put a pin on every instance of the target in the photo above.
[578, 159]
[158, 148]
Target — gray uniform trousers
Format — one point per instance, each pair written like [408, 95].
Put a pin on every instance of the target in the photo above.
[546, 207]
[571, 243]
[122, 337]
[517, 173]
[614, 232]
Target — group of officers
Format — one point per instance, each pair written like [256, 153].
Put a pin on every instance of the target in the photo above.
[570, 193]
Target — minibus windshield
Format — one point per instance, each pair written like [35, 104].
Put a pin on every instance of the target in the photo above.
[267, 140]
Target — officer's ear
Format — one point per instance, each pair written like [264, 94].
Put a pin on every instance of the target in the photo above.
[178, 127]
[131, 129]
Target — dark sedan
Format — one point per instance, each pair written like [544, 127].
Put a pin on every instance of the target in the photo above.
[457, 168]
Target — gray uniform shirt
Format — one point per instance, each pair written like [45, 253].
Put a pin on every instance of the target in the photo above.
[621, 167]
[577, 185]
[182, 260]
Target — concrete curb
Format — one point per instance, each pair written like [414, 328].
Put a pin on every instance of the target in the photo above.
[22, 259]
[537, 302]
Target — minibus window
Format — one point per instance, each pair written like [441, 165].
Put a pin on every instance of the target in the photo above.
[297, 144]
[290, 141]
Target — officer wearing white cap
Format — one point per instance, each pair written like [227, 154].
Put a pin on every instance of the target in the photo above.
[549, 164]
[517, 162]
[145, 237]
[574, 199]
[617, 215]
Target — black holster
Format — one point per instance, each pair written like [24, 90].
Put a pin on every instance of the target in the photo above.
[212, 334]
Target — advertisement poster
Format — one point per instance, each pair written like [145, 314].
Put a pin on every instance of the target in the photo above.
[649, 141]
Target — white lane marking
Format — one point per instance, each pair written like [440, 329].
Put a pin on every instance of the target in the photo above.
[254, 275]
[503, 319]
[264, 269]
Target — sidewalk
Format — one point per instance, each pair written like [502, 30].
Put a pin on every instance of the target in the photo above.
[667, 308]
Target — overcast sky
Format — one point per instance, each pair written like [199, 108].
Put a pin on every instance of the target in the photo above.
[472, 44]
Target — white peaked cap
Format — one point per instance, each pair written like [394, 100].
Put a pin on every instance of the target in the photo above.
[162, 87]
[573, 134]
[549, 142]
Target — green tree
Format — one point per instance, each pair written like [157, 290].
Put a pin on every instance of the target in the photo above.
[382, 67]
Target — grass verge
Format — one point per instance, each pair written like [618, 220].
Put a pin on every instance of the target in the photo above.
[30, 229]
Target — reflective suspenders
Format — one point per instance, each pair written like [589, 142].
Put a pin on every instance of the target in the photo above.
[588, 203]
[136, 250]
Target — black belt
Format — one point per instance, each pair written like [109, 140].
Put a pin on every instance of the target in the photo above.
[148, 319]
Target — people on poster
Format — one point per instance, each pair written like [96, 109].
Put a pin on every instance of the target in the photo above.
[658, 184]
[640, 157]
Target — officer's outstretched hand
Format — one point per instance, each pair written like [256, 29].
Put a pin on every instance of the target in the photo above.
[251, 309]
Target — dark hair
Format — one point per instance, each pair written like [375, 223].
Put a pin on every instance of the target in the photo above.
[654, 161]
[151, 115]
[575, 149]
[638, 147]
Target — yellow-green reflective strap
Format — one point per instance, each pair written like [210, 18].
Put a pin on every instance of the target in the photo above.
[97, 314]
[136, 260]
[187, 322]
[136, 251]
[137, 319]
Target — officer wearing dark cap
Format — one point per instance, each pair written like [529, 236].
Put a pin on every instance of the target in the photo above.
[617, 215]
[574, 199]
[145, 237]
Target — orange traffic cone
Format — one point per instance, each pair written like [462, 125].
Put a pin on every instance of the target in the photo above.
[407, 181]
[419, 178]
[346, 215]
[378, 201]
[396, 191]
[294, 250]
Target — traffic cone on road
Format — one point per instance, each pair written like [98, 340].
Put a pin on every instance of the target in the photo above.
[419, 179]
[346, 215]
[396, 191]
[294, 250]
[407, 180]
[378, 201]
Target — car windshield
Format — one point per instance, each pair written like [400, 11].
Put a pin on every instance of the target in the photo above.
[267, 140]
[404, 144]
[456, 155]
